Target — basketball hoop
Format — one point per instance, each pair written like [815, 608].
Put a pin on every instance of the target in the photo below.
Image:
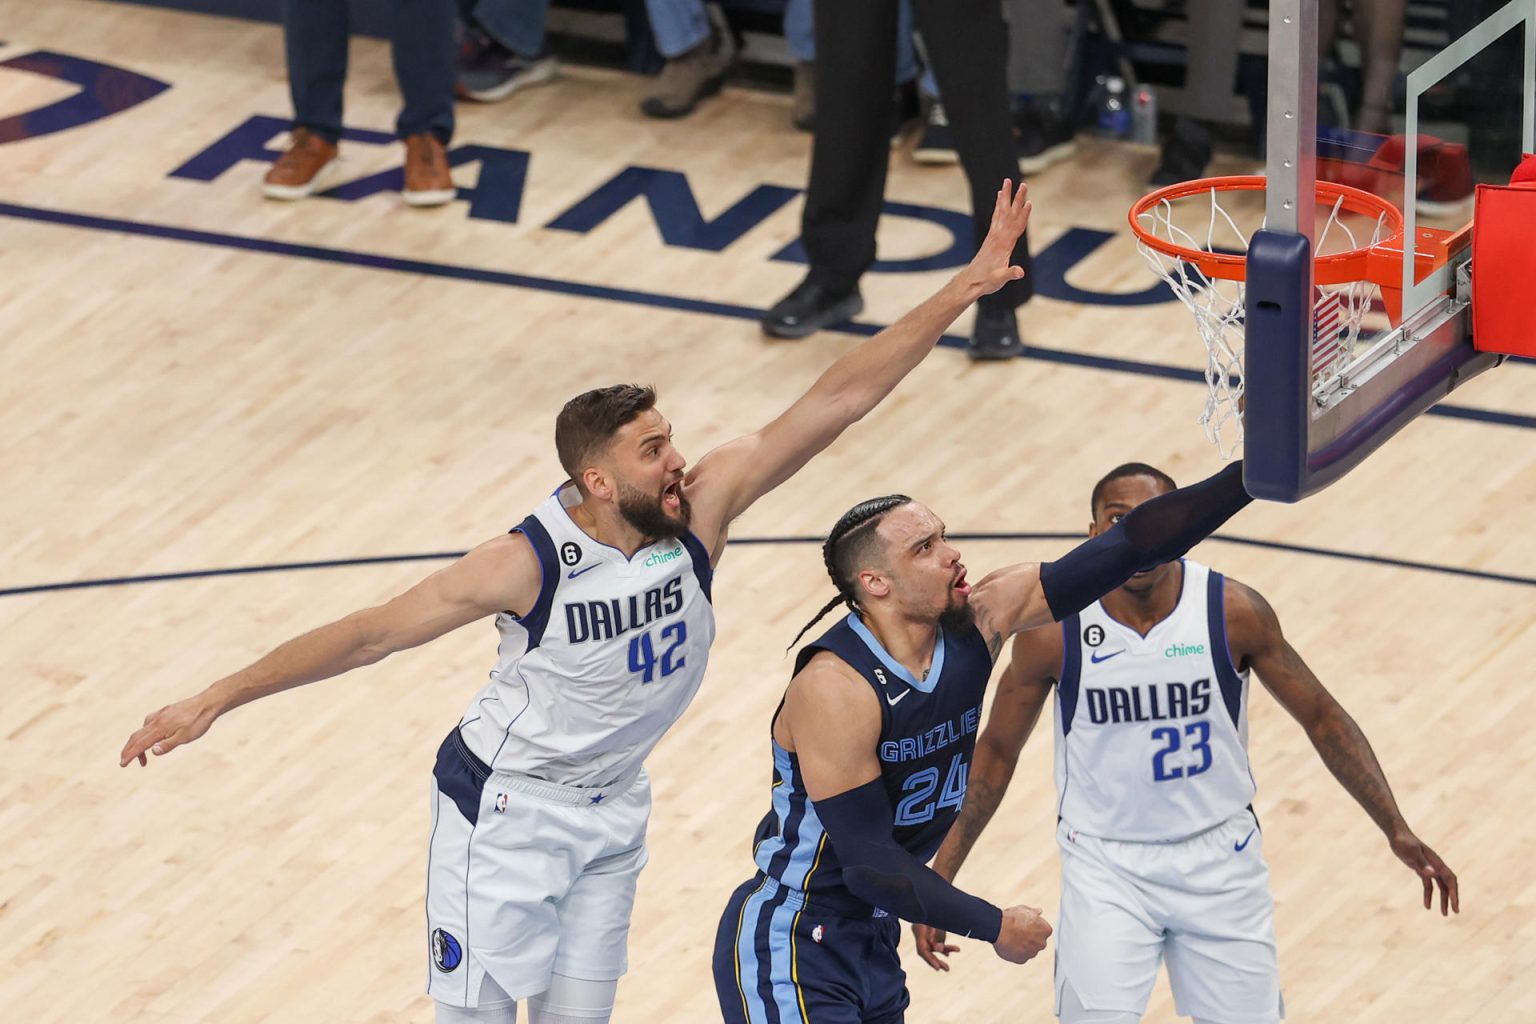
[1194, 243]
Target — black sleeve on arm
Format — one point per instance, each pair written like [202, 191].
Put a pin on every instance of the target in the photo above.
[877, 870]
[1152, 533]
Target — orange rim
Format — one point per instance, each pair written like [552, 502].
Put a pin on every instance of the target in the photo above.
[1335, 268]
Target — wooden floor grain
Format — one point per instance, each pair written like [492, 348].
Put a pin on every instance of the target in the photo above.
[178, 404]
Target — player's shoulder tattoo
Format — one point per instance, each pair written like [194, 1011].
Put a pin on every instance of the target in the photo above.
[994, 643]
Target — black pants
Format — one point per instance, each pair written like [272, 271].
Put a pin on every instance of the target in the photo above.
[315, 35]
[855, 65]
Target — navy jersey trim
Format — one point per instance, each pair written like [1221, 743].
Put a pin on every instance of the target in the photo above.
[699, 556]
[460, 776]
[549, 578]
[1067, 689]
[1071, 671]
[1221, 655]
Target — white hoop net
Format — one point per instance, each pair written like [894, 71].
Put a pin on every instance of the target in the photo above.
[1219, 304]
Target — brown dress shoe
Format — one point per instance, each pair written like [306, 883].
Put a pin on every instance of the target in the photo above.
[297, 173]
[427, 180]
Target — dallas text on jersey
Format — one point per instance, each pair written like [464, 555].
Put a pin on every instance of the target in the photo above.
[604, 620]
[1170, 700]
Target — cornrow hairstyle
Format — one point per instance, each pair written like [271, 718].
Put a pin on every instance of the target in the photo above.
[855, 524]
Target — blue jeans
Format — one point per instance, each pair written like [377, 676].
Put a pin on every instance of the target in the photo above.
[678, 25]
[516, 24]
[800, 34]
[681, 25]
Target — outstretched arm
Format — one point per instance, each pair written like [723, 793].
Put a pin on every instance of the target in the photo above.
[501, 574]
[1026, 596]
[831, 719]
[1021, 694]
[730, 478]
[1256, 640]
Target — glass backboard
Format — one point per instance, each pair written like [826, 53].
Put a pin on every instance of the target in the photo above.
[1417, 114]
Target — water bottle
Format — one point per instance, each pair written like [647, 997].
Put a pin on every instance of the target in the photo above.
[1114, 117]
[1144, 116]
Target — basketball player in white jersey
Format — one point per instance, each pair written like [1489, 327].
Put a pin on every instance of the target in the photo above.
[602, 600]
[1162, 857]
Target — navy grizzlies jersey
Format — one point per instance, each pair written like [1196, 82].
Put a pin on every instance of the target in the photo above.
[927, 737]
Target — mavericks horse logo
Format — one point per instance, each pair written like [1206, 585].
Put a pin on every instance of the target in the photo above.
[446, 952]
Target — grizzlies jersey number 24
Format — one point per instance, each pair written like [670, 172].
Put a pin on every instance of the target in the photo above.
[927, 739]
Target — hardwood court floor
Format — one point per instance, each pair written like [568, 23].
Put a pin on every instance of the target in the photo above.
[176, 400]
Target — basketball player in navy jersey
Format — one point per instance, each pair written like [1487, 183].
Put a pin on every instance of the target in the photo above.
[872, 747]
[602, 601]
[1162, 856]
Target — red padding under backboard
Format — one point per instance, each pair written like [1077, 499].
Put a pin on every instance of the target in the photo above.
[1504, 264]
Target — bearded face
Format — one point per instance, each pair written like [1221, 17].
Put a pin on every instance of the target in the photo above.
[662, 515]
[958, 615]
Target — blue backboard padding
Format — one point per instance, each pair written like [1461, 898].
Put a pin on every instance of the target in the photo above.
[1276, 357]
[1279, 461]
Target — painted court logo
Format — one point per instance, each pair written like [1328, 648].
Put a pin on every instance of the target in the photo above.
[446, 952]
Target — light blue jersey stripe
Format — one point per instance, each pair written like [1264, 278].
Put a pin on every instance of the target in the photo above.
[781, 965]
[764, 854]
[899, 670]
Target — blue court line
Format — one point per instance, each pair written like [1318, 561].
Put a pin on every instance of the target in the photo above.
[456, 272]
[443, 556]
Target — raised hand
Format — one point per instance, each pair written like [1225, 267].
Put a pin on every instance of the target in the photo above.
[167, 729]
[1426, 863]
[992, 265]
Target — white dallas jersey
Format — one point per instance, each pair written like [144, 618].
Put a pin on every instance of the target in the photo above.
[1152, 732]
[611, 654]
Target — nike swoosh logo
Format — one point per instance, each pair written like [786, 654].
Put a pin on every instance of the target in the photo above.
[893, 701]
[1096, 659]
[577, 572]
[1238, 847]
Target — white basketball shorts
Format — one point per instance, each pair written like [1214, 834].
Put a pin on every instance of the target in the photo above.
[1203, 903]
[527, 878]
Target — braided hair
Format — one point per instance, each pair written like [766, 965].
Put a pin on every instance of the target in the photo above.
[855, 525]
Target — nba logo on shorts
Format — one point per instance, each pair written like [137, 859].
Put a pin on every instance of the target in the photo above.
[501, 803]
[817, 933]
[446, 952]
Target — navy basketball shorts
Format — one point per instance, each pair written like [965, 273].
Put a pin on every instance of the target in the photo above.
[780, 960]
